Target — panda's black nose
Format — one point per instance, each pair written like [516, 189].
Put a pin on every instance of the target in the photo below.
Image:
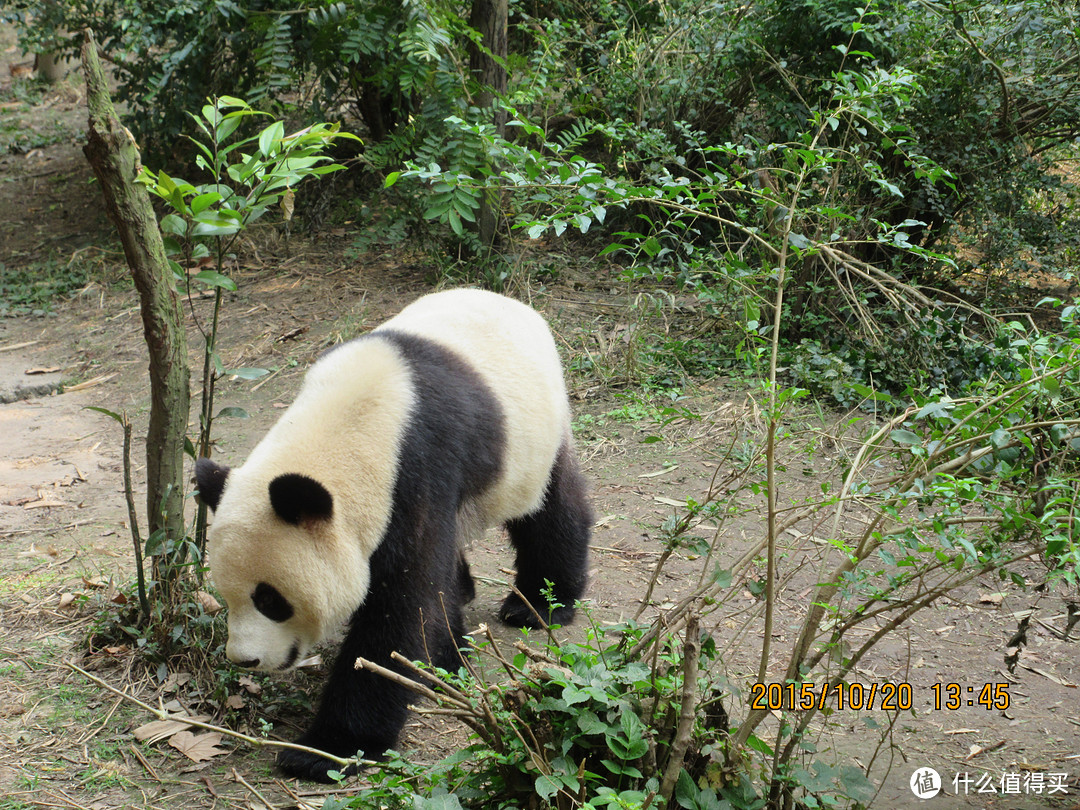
[249, 664]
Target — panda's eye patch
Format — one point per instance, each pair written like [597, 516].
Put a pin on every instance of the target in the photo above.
[270, 603]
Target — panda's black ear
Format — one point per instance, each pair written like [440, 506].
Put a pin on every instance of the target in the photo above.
[298, 499]
[210, 476]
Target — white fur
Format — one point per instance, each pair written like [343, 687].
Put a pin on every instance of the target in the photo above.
[510, 346]
[344, 430]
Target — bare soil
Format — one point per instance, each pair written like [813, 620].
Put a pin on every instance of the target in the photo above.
[65, 543]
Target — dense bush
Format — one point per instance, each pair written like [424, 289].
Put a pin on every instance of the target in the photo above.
[959, 112]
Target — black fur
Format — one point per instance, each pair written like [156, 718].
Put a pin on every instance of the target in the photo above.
[452, 451]
[270, 603]
[552, 546]
[297, 498]
[210, 476]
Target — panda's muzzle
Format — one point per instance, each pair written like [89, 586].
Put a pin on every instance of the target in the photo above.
[251, 663]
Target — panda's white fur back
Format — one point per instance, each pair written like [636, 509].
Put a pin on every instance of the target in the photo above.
[345, 429]
[510, 346]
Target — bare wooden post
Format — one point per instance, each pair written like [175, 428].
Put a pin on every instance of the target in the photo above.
[114, 156]
[488, 66]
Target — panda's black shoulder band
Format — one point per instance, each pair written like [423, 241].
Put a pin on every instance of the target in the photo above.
[297, 498]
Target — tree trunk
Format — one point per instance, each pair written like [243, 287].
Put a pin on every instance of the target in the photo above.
[487, 65]
[114, 157]
[49, 63]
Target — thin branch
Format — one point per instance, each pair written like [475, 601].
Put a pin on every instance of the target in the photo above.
[258, 742]
[687, 710]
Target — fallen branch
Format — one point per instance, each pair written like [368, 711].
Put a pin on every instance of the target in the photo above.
[258, 742]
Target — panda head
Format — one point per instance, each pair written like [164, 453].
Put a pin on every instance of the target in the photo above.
[274, 556]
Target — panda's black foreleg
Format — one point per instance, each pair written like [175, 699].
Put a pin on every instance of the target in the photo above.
[465, 582]
[361, 710]
[552, 546]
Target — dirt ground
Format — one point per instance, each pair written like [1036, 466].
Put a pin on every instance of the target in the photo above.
[64, 540]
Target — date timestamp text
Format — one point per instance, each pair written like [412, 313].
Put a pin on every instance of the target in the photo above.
[870, 696]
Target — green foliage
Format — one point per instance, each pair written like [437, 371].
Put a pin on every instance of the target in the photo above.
[843, 171]
[580, 725]
[932, 351]
[167, 57]
[592, 724]
[32, 288]
[388, 61]
[246, 178]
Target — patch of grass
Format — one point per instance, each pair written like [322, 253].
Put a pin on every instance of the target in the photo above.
[72, 704]
[351, 326]
[29, 126]
[12, 672]
[32, 289]
[105, 775]
[15, 583]
[587, 426]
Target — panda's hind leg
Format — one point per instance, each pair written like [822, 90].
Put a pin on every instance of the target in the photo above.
[552, 546]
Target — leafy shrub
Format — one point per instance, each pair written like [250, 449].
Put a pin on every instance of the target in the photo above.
[933, 352]
[167, 57]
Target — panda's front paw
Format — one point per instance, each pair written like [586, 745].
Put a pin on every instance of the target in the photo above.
[310, 767]
[516, 613]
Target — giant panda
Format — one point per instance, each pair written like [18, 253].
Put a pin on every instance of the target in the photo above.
[356, 507]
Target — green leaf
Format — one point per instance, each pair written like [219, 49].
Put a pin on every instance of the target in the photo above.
[686, 791]
[441, 801]
[722, 577]
[905, 438]
[212, 278]
[798, 241]
[391, 179]
[546, 786]
[233, 412]
[202, 201]
[270, 139]
[612, 248]
[589, 723]
[455, 222]
[1058, 434]
[572, 695]
[935, 409]
[111, 414]
[228, 102]
[228, 126]
[173, 223]
[759, 745]
[247, 373]
[631, 725]
[217, 223]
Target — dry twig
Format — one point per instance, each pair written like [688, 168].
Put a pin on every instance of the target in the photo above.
[162, 714]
